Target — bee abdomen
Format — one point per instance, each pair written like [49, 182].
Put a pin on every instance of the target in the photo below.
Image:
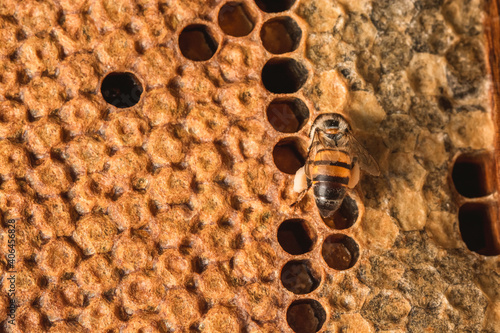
[335, 169]
[330, 173]
[329, 196]
[331, 179]
[329, 190]
[331, 163]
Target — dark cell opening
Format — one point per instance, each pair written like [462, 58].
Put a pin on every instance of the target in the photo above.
[478, 228]
[473, 175]
[345, 216]
[287, 115]
[281, 35]
[284, 75]
[122, 90]
[305, 316]
[340, 252]
[289, 156]
[295, 237]
[274, 6]
[300, 277]
[234, 19]
[196, 43]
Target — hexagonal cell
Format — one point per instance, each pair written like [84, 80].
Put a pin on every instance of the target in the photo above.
[474, 175]
[305, 316]
[296, 237]
[479, 228]
[197, 43]
[121, 89]
[281, 35]
[287, 115]
[274, 6]
[289, 155]
[300, 277]
[284, 75]
[235, 20]
[345, 216]
[340, 252]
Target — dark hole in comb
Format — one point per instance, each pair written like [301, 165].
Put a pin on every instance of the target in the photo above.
[289, 156]
[295, 237]
[121, 89]
[196, 43]
[284, 75]
[473, 175]
[340, 252]
[274, 6]
[299, 277]
[305, 316]
[281, 35]
[287, 115]
[234, 19]
[478, 228]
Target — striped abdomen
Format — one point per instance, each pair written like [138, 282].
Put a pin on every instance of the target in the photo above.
[329, 173]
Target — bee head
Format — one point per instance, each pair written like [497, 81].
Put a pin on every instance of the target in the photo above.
[332, 125]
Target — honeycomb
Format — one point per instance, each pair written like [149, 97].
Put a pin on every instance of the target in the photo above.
[148, 151]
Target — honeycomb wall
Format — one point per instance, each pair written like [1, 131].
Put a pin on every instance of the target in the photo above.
[164, 216]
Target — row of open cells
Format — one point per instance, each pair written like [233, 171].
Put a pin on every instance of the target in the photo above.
[285, 75]
[303, 276]
[279, 34]
[280, 75]
[474, 178]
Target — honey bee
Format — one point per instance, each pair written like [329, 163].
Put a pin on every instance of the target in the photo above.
[333, 163]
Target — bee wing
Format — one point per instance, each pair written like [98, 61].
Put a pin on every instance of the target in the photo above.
[365, 160]
[313, 149]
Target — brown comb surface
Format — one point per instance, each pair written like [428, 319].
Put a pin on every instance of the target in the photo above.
[148, 149]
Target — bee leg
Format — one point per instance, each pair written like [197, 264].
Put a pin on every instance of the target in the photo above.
[301, 196]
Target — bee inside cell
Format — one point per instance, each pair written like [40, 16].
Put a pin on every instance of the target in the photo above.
[333, 164]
